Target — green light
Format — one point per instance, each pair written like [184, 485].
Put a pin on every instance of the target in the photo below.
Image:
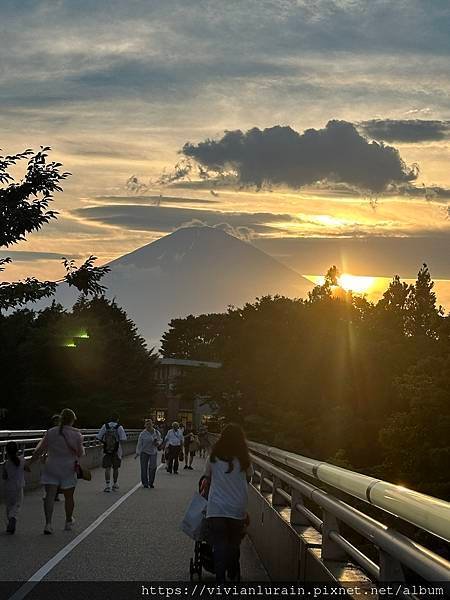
[70, 345]
[83, 335]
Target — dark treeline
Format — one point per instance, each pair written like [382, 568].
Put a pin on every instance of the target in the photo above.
[90, 359]
[335, 377]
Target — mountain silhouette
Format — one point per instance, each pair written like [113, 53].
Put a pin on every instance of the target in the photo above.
[192, 271]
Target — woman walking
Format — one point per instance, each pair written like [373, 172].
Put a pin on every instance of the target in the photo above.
[191, 450]
[64, 446]
[14, 477]
[147, 450]
[228, 470]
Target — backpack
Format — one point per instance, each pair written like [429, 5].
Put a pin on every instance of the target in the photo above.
[111, 439]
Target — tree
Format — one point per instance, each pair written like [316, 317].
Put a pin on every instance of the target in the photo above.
[417, 440]
[423, 315]
[195, 338]
[90, 358]
[334, 377]
[24, 208]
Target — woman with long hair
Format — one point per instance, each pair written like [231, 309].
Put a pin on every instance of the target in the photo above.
[229, 471]
[64, 446]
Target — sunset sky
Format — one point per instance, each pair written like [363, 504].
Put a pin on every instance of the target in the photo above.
[117, 89]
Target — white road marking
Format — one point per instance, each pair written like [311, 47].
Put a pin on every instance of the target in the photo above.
[59, 556]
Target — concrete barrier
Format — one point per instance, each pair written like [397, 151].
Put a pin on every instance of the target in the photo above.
[291, 552]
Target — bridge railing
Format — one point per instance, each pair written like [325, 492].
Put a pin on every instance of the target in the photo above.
[27, 440]
[332, 531]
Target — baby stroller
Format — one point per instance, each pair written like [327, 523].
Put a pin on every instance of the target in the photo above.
[203, 558]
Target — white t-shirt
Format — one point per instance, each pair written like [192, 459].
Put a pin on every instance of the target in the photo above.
[228, 492]
[174, 438]
[120, 434]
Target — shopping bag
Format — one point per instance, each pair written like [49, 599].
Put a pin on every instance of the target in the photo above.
[193, 519]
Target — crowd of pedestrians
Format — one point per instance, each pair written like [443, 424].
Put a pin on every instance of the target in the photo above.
[225, 479]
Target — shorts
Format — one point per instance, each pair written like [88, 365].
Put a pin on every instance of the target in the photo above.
[111, 460]
[63, 483]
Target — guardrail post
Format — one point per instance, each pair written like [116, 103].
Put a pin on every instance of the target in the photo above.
[297, 517]
[277, 498]
[390, 568]
[264, 487]
[330, 550]
[254, 478]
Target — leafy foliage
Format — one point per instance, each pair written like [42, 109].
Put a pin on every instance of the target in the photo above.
[85, 278]
[24, 205]
[334, 377]
[24, 208]
[91, 359]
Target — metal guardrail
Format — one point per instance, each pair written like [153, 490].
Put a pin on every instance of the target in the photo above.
[8, 434]
[27, 440]
[426, 512]
[286, 489]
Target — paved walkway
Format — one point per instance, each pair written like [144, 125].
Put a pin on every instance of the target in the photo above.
[132, 534]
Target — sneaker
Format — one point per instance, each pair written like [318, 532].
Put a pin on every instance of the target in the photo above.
[191, 468]
[152, 486]
[69, 525]
[169, 471]
[175, 472]
[107, 488]
[186, 467]
[146, 486]
[115, 486]
[11, 525]
[48, 529]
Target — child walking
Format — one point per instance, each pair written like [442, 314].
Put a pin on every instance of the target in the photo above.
[14, 477]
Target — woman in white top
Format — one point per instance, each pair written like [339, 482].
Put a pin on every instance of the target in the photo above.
[147, 449]
[64, 446]
[229, 471]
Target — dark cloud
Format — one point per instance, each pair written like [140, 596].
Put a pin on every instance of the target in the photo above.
[406, 130]
[282, 156]
[376, 256]
[156, 200]
[166, 219]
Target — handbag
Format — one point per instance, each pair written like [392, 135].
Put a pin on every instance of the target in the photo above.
[181, 456]
[192, 523]
[81, 472]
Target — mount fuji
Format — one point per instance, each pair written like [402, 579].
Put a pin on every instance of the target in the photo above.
[192, 271]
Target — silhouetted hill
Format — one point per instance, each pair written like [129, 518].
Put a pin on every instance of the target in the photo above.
[192, 271]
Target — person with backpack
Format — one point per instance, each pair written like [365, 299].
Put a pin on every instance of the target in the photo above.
[112, 434]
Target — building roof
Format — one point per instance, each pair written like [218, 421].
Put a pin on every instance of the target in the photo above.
[181, 362]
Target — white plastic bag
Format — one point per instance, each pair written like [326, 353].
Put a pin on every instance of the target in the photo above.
[193, 519]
